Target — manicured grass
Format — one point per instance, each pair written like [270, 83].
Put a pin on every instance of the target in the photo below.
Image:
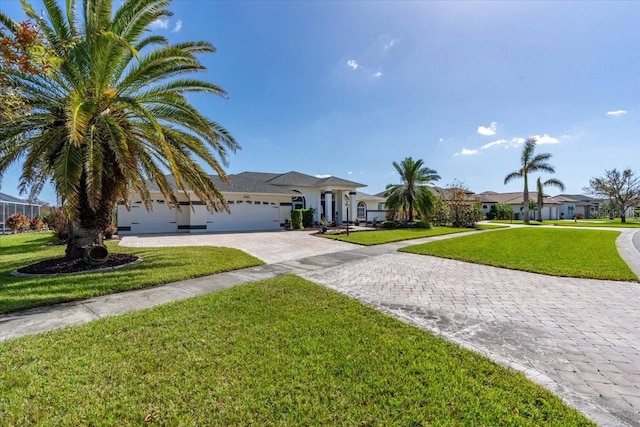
[160, 265]
[490, 226]
[277, 352]
[378, 237]
[558, 252]
[631, 223]
[616, 223]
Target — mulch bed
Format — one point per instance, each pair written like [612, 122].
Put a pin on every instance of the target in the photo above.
[66, 265]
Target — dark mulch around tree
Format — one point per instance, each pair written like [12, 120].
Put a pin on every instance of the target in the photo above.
[66, 265]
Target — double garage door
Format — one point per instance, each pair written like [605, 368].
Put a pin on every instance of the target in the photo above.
[244, 216]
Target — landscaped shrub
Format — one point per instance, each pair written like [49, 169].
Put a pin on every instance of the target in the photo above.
[422, 224]
[296, 219]
[17, 223]
[58, 221]
[307, 217]
[579, 216]
[388, 224]
[36, 224]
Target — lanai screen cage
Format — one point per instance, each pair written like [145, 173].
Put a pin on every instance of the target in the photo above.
[10, 205]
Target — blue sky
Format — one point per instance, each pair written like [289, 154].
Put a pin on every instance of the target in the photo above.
[345, 88]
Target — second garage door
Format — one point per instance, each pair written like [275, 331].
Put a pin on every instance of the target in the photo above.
[251, 215]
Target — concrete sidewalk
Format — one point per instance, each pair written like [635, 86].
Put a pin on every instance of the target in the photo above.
[579, 338]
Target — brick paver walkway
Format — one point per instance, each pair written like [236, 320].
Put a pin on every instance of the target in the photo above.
[580, 338]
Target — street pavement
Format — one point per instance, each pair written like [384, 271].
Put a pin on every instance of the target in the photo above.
[579, 338]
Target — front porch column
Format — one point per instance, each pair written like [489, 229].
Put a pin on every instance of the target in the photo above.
[328, 205]
[353, 205]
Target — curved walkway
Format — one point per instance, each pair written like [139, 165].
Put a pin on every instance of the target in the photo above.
[579, 338]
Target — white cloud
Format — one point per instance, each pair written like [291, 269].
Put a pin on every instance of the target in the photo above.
[378, 74]
[353, 64]
[545, 139]
[159, 24]
[177, 27]
[323, 176]
[390, 44]
[616, 113]
[350, 173]
[517, 141]
[441, 140]
[494, 143]
[488, 131]
[466, 152]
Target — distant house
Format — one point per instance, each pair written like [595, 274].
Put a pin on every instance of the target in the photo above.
[257, 201]
[10, 205]
[563, 206]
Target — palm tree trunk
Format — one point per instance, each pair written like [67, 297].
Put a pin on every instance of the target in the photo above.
[525, 197]
[539, 206]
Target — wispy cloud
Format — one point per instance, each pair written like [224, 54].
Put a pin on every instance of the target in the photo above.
[494, 143]
[354, 65]
[466, 152]
[159, 24]
[323, 176]
[177, 27]
[488, 131]
[441, 140]
[616, 113]
[390, 44]
[545, 139]
[350, 173]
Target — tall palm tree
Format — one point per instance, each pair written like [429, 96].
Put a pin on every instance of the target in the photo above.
[529, 163]
[412, 193]
[551, 182]
[112, 117]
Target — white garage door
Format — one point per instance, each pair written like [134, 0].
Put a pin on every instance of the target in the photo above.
[249, 215]
[162, 219]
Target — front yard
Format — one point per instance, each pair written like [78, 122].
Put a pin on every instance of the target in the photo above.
[558, 252]
[160, 265]
[277, 352]
[378, 237]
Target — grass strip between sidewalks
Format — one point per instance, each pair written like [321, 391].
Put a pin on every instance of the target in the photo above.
[278, 352]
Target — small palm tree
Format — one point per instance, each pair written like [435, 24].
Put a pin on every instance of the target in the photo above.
[412, 193]
[551, 182]
[529, 163]
[112, 117]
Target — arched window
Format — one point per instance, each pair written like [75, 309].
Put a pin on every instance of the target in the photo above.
[362, 210]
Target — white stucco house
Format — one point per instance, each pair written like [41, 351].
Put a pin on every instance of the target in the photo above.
[257, 201]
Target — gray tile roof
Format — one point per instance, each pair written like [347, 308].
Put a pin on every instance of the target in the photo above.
[297, 179]
[236, 184]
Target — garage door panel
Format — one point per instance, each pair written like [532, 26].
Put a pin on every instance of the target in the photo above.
[162, 219]
[246, 216]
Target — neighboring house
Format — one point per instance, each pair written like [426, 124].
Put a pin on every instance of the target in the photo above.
[257, 201]
[551, 209]
[577, 204]
[10, 205]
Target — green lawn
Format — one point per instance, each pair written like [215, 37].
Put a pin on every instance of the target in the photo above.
[277, 352]
[160, 265]
[616, 223]
[378, 237]
[558, 252]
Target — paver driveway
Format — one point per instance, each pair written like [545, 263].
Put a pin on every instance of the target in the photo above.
[270, 247]
[580, 338]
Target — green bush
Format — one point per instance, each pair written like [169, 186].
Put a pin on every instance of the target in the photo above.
[296, 219]
[307, 217]
[388, 225]
[422, 224]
